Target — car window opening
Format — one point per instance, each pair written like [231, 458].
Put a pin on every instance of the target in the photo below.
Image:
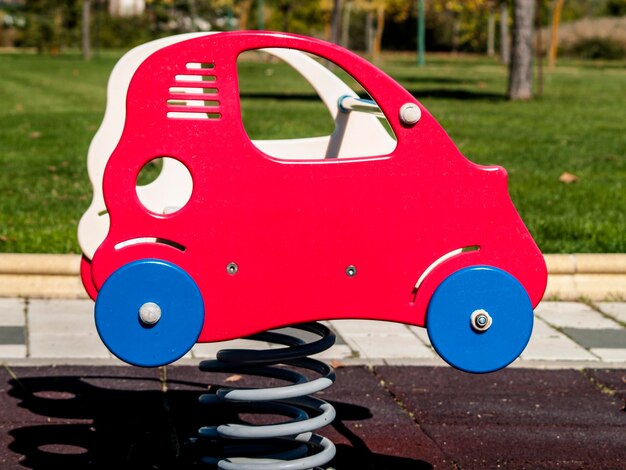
[299, 118]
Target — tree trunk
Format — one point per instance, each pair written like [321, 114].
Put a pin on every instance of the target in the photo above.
[539, 48]
[421, 34]
[491, 33]
[378, 35]
[345, 26]
[244, 14]
[86, 30]
[369, 32]
[261, 14]
[554, 36]
[335, 21]
[521, 66]
[56, 40]
[456, 32]
[193, 13]
[505, 41]
[286, 11]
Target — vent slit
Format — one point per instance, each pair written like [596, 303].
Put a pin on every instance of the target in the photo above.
[195, 93]
[151, 240]
[436, 263]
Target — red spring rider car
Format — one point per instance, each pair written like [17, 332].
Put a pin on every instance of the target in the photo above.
[417, 234]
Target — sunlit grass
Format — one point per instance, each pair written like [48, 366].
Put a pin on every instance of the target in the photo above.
[52, 106]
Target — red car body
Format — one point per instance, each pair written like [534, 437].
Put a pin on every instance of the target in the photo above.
[305, 240]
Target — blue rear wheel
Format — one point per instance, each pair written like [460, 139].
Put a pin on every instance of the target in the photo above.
[149, 313]
[479, 319]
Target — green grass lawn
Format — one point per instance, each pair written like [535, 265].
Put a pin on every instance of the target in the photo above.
[52, 106]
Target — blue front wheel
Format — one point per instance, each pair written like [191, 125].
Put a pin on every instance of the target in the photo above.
[479, 319]
[149, 313]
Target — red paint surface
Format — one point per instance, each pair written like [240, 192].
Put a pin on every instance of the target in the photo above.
[294, 227]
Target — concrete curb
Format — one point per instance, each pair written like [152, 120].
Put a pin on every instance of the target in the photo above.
[41, 276]
[571, 276]
[595, 276]
[583, 263]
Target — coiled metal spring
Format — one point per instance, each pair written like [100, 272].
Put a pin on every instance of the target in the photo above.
[284, 446]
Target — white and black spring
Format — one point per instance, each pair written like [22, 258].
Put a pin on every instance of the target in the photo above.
[288, 445]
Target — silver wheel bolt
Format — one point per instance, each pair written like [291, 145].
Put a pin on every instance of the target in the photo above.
[149, 313]
[480, 320]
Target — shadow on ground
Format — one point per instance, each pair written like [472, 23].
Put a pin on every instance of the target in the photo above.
[457, 94]
[387, 417]
[419, 93]
[126, 419]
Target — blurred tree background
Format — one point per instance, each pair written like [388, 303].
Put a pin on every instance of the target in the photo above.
[572, 128]
[51, 26]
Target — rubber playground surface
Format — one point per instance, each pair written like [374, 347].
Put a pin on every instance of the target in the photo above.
[388, 417]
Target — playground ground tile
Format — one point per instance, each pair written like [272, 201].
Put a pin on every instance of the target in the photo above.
[515, 418]
[547, 343]
[616, 310]
[574, 315]
[12, 312]
[611, 382]
[370, 431]
[595, 338]
[12, 335]
[387, 417]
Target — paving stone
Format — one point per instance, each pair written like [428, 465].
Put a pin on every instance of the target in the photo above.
[388, 347]
[610, 354]
[589, 339]
[12, 312]
[421, 333]
[546, 343]
[615, 309]
[12, 351]
[12, 335]
[307, 336]
[63, 329]
[338, 351]
[61, 306]
[209, 350]
[338, 338]
[61, 316]
[378, 340]
[515, 418]
[573, 315]
[368, 327]
[83, 345]
[52, 324]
